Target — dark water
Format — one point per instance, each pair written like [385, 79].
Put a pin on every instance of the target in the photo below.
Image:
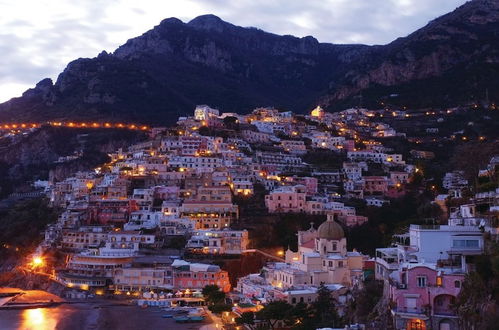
[88, 316]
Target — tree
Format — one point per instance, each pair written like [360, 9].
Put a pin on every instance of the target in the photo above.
[213, 295]
[231, 122]
[247, 319]
[325, 310]
[362, 307]
[302, 316]
[470, 301]
[276, 311]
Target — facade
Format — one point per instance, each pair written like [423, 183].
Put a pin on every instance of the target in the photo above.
[321, 257]
[218, 241]
[93, 269]
[83, 238]
[286, 199]
[375, 185]
[210, 207]
[197, 276]
[110, 211]
[424, 272]
[424, 298]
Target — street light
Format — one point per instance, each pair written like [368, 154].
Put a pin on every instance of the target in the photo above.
[37, 261]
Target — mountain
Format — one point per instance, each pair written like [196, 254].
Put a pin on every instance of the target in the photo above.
[453, 60]
[165, 72]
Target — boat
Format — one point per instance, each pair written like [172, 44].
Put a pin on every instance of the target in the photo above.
[167, 316]
[181, 319]
[196, 318]
[188, 319]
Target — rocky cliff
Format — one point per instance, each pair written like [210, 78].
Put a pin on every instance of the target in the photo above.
[453, 60]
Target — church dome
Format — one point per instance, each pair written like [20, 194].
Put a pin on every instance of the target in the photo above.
[330, 230]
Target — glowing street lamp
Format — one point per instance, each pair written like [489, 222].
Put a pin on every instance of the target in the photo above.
[37, 261]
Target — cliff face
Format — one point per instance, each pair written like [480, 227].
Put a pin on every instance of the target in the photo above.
[452, 60]
[168, 70]
[33, 157]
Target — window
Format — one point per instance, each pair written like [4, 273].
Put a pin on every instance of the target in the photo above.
[421, 280]
[334, 246]
[340, 264]
[457, 284]
[416, 324]
[439, 280]
[465, 243]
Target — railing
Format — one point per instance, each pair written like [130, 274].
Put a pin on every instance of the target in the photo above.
[444, 312]
[410, 310]
[448, 263]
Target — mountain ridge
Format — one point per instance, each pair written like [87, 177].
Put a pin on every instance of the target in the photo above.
[169, 69]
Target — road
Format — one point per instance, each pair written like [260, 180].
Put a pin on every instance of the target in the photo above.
[74, 124]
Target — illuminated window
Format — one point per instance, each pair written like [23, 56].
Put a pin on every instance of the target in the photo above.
[416, 324]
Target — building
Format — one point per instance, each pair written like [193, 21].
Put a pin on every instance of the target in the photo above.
[93, 268]
[145, 273]
[286, 199]
[188, 275]
[423, 273]
[224, 241]
[375, 185]
[296, 147]
[83, 238]
[204, 112]
[210, 208]
[322, 257]
[424, 297]
[110, 211]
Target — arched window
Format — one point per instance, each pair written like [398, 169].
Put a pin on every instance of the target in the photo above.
[457, 284]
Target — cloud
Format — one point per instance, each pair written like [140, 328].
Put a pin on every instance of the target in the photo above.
[39, 37]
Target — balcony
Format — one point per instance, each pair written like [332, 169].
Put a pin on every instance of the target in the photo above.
[390, 264]
[449, 263]
[418, 312]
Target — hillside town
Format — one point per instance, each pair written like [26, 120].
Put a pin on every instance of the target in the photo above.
[187, 186]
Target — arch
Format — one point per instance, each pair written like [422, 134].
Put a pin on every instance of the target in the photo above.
[442, 304]
[446, 324]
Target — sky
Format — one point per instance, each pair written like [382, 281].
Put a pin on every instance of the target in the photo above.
[39, 37]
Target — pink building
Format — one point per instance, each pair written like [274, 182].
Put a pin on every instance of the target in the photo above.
[399, 177]
[352, 220]
[110, 211]
[424, 296]
[349, 145]
[375, 185]
[309, 183]
[286, 199]
[196, 276]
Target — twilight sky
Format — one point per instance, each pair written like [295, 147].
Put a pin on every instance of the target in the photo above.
[39, 37]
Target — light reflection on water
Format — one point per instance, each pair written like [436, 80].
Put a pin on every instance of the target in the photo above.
[39, 319]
